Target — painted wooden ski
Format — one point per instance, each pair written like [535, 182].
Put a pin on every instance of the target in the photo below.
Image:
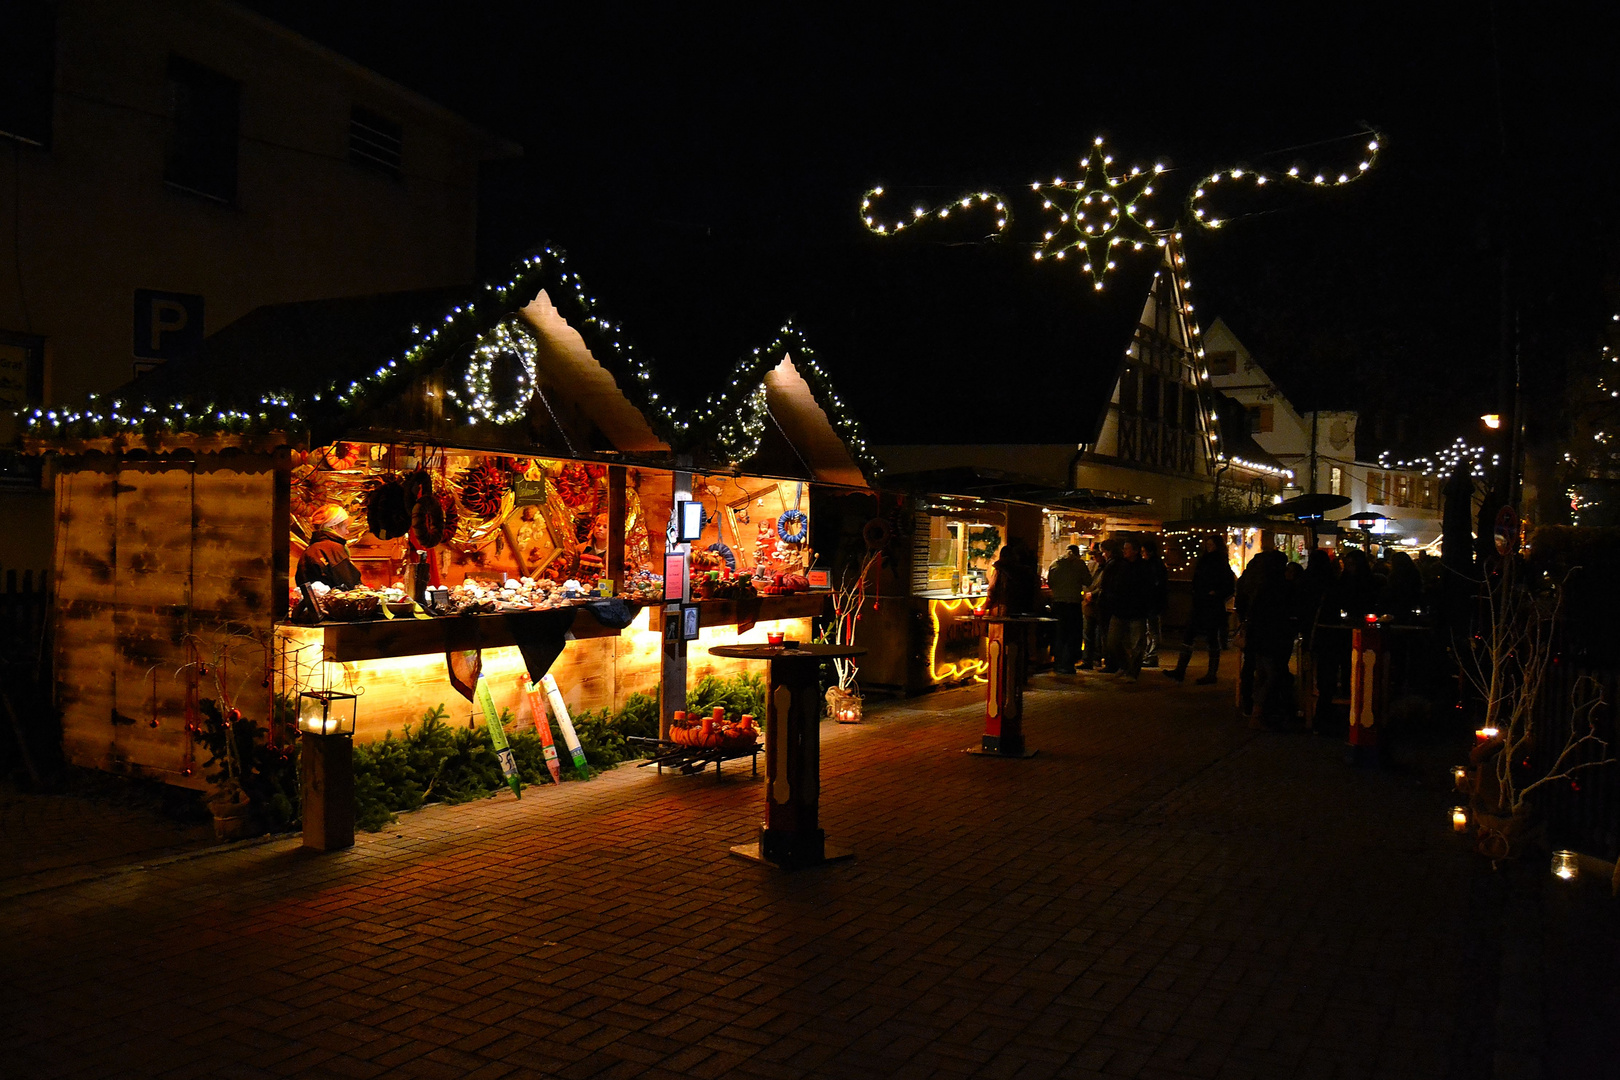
[497, 736]
[537, 710]
[559, 712]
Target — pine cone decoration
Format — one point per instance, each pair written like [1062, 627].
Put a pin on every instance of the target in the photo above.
[483, 487]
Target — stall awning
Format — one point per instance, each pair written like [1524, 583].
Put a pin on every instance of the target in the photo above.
[994, 485]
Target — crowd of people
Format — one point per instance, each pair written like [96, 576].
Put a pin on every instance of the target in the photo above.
[1110, 612]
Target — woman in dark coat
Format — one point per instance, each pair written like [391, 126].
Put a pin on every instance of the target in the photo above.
[1212, 586]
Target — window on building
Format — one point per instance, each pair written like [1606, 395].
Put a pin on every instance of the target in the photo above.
[1403, 490]
[27, 70]
[205, 115]
[1336, 481]
[1222, 363]
[1430, 502]
[1375, 489]
[375, 142]
[1259, 418]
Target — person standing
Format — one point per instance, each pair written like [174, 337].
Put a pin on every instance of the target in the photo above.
[1096, 614]
[1068, 579]
[1212, 586]
[1015, 583]
[1156, 580]
[1125, 591]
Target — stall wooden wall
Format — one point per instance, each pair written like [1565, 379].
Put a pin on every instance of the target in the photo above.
[152, 555]
[593, 673]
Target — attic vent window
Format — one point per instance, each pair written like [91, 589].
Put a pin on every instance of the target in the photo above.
[375, 142]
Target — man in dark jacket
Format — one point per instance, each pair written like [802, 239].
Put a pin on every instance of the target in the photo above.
[1125, 590]
[1212, 585]
[1068, 579]
[1096, 613]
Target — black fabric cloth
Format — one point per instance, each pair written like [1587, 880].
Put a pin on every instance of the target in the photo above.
[540, 637]
[327, 560]
[613, 612]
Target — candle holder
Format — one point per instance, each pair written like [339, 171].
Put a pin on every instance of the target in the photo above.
[1459, 819]
[1566, 865]
[1460, 779]
[327, 712]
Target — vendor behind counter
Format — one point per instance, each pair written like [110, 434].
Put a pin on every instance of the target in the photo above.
[326, 559]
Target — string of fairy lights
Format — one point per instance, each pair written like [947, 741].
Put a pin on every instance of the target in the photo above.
[478, 334]
[1104, 209]
[736, 416]
[1443, 462]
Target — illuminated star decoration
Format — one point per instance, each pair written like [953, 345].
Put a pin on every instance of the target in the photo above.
[1103, 212]
[1098, 213]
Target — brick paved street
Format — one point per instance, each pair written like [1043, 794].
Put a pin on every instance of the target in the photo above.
[1161, 893]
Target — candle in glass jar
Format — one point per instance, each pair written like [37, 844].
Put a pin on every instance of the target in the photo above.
[1564, 865]
[1459, 819]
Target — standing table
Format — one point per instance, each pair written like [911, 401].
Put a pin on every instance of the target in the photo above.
[1007, 652]
[791, 835]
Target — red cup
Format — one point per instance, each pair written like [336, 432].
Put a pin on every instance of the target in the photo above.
[773, 637]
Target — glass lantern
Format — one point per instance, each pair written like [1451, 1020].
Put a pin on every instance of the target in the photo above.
[1459, 819]
[327, 712]
[1565, 865]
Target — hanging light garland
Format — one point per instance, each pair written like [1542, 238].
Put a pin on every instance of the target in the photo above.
[1104, 210]
[1202, 214]
[1444, 462]
[734, 419]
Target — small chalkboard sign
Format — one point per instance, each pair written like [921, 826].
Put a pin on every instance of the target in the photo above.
[529, 492]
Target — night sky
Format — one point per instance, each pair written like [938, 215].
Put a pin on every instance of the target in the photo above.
[693, 125]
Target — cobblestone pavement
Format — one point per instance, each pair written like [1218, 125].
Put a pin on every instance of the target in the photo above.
[1161, 893]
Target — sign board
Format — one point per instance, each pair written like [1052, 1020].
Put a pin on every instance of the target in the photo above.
[167, 324]
[529, 492]
[674, 575]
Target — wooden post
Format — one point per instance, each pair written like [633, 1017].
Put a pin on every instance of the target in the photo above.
[1369, 691]
[326, 763]
[1004, 692]
[615, 523]
[791, 834]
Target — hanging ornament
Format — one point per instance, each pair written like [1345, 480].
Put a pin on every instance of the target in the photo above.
[478, 396]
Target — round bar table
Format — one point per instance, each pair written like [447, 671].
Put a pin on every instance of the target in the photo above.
[1008, 657]
[791, 835]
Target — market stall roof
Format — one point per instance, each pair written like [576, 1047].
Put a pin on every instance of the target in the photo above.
[419, 365]
[931, 343]
[997, 486]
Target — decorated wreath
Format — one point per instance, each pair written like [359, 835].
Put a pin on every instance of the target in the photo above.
[788, 517]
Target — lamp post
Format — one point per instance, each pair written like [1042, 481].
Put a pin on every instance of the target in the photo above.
[326, 767]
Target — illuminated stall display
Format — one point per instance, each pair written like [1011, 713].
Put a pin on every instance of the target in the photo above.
[374, 484]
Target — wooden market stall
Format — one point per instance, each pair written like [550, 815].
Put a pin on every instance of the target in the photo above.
[503, 454]
[932, 538]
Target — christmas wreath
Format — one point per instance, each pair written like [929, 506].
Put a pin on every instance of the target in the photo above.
[782, 530]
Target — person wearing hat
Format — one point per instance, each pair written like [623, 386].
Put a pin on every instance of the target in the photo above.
[326, 559]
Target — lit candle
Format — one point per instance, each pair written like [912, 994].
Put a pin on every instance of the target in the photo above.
[1485, 734]
[1565, 865]
[1459, 777]
[1459, 819]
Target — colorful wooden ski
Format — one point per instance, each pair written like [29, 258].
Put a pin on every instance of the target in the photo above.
[559, 711]
[497, 736]
[537, 710]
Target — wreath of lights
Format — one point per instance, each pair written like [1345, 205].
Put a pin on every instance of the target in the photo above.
[480, 399]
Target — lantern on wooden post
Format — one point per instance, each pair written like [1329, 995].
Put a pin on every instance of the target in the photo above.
[326, 765]
[327, 712]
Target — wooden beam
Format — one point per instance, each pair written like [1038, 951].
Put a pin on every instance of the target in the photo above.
[615, 522]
